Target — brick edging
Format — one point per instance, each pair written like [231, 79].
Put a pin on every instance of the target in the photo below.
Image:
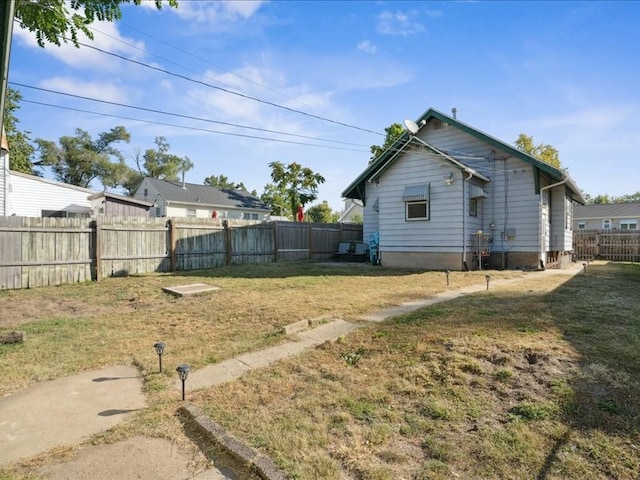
[257, 462]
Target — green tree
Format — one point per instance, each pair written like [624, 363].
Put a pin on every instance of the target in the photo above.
[393, 132]
[20, 147]
[156, 163]
[54, 20]
[276, 200]
[634, 197]
[322, 213]
[602, 199]
[79, 160]
[293, 185]
[221, 181]
[542, 151]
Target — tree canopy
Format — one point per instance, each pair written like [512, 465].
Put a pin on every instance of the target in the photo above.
[293, 186]
[19, 142]
[322, 213]
[542, 151]
[393, 132]
[79, 160]
[156, 163]
[221, 181]
[54, 21]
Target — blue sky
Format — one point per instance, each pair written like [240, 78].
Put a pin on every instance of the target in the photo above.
[566, 73]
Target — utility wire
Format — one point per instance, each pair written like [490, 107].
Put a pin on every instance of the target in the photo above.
[189, 128]
[203, 60]
[226, 90]
[188, 117]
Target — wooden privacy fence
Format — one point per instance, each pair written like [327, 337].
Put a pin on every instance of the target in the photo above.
[51, 251]
[607, 245]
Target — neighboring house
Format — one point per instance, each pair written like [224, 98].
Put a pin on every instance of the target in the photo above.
[614, 216]
[4, 173]
[175, 199]
[110, 204]
[446, 189]
[31, 196]
[353, 210]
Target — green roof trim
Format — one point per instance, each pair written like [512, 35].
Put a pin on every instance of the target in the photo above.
[384, 160]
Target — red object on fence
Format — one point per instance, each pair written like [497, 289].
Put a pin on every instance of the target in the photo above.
[300, 213]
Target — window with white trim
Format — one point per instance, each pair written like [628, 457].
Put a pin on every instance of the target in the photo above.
[191, 212]
[629, 224]
[416, 200]
[582, 225]
[606, 224]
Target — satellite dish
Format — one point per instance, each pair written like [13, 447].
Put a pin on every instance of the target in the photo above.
[411, 126]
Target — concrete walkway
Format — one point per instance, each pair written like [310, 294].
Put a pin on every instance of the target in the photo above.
[69, 410]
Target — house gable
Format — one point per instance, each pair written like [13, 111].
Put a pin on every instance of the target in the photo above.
[541, 169]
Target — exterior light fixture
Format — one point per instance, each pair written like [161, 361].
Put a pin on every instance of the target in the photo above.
[159, 346]
[448, 179]
[487, 278]
[447, 272]
[183, 373]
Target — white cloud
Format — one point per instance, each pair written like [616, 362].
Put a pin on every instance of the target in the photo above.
[399, 23]
[99, 90]
[367, 47]
[218, 12]
[106, 37]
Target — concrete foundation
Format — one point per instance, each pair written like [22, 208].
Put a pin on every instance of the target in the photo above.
[423, 260]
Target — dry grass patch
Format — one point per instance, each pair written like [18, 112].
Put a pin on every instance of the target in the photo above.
[532, 381]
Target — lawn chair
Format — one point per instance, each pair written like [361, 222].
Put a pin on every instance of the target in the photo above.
[359, 252]
[344, 250]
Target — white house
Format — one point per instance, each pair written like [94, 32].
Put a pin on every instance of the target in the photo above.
[175, 199]
[445, 195]
[31, 196]
[4, 173]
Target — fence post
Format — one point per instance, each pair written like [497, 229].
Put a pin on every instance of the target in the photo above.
[275, 241]
[310, 240]
[172, 245]
[227, 241]
[97, 238]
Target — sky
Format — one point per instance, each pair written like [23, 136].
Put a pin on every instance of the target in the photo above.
[235, 85]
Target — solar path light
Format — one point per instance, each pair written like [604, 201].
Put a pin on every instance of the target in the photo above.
[159, 346]
[584, 265]
[447, 272]
[487, 278]
[183, 373]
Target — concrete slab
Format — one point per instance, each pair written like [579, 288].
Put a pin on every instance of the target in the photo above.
[193, 289]
[66, 411]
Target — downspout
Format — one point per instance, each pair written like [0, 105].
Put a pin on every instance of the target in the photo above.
[542, 189]
[464, 220]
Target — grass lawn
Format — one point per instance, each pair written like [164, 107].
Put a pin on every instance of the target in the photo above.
[538, 379]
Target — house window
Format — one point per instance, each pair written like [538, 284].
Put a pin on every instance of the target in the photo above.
[582, 225]
[146, 193]
[473, 207]
[417, 211]
[64, 214]
[191, 212]
[416, 198]
[628, 224]
[158, 211]
[606, 224]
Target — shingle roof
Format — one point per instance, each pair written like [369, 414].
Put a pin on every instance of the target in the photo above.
[356, 189]
[206, 195]
[610, 210]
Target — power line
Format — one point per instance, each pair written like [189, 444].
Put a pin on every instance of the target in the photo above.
[255, 137]
[188, 117]
[203, 60]
[226, 90]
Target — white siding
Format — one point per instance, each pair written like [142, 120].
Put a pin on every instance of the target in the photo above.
[561, 232]
[511, 212]
[4, 181]
[29, 195]
[370, 215]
